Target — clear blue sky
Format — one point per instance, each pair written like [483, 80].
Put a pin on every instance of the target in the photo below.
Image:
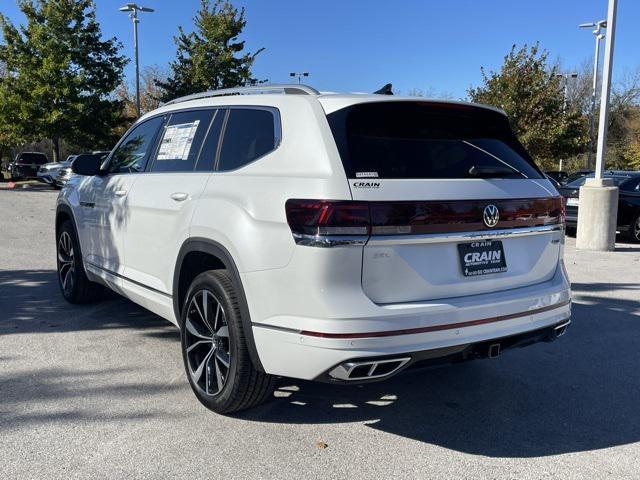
[359, 45]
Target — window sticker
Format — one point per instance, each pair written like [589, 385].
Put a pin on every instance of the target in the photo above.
[177, 140]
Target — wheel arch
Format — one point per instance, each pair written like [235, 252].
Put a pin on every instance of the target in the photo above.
[208, 254]
[63, 213]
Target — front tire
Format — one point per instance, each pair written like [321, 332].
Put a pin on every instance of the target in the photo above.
[214, 349]
[72, 279]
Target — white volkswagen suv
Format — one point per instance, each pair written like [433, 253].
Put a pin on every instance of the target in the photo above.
[333, 237]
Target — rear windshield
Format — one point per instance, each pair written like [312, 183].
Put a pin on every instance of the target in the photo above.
[428, 140]
[38, 158]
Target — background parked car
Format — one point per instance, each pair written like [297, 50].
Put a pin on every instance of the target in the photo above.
[628, 201]
[576, 175]
[48, 172]
[558, 176]
[553, 181]
[26, 165]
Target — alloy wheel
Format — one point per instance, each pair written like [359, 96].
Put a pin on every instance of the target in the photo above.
[207, 343]
[66, 263]
[636, 229]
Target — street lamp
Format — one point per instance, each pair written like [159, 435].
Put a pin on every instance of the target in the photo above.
[597, 32]
[299, 75]
[133, 10]
[598, 212]
[566, 77]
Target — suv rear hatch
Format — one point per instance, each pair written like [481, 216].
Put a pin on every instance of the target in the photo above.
[456, 205]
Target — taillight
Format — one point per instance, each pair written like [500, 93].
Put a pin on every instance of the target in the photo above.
[340, 222]
[328, 218]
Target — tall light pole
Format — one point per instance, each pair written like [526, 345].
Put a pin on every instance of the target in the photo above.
[299, 75]
[598, 212]
[597, 32]
[566, 77]
[133, 10]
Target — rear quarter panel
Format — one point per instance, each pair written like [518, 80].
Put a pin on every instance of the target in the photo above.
[244, 209]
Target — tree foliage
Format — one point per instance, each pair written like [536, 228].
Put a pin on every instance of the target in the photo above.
[210, 57]
[149, 94]
[60, 75]
[527, 89]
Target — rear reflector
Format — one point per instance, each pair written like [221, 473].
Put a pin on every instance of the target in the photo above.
[324, 218]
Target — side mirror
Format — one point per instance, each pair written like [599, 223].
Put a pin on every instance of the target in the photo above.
[87, 164]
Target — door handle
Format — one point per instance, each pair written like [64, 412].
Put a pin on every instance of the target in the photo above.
[179, 196]
[120, 193]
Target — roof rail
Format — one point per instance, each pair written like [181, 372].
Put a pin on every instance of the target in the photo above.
[291, 89]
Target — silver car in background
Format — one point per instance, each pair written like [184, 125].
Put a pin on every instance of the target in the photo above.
[48, 172]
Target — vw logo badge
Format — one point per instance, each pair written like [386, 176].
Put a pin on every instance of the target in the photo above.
[490, 215]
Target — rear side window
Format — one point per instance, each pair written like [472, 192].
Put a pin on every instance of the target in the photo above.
[181, 140]
[249, 134]
[428, 140]
[37, 158]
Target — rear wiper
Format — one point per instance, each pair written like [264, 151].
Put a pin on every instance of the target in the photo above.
[492, 172]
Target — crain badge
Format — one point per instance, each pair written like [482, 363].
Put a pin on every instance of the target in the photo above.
[366, 174]
[366, 184]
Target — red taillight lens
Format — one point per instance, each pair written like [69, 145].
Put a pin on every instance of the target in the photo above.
[326, 217]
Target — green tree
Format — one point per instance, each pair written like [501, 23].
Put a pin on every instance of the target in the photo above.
[528, 90]
[60, 75]
[211, 57]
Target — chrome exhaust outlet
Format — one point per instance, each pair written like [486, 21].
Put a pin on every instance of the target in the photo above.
[368, 369]
[561, 329]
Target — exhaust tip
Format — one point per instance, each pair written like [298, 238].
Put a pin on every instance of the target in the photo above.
[368, 369]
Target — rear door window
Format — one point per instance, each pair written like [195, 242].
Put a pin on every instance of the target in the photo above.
[420, 140]
[181, 140]
[209, 151]
[250, 133]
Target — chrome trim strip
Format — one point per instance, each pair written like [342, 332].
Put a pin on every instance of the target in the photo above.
[462, 236]
[329, 241]
[127, 279]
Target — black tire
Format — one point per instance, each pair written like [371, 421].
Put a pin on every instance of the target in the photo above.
[214, 349]
[72, 279]
[634, 230]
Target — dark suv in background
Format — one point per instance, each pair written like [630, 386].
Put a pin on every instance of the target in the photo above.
[26, 165]
[628, 182]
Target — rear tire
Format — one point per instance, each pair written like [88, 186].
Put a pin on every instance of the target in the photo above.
[214, 349]
[72, 279]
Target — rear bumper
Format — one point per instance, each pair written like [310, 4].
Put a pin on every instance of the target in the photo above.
[441, 356]
[308, 348]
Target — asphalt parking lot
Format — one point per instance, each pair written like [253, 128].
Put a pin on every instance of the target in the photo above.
[99, 391]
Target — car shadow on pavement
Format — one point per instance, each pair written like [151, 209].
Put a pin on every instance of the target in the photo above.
[31, 302]
[577, 394]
